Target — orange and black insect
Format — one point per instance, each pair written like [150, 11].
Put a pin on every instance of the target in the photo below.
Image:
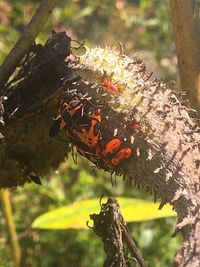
[87, 129]
[69, 109]
[81, 120]
[123, 154]
[112, 146]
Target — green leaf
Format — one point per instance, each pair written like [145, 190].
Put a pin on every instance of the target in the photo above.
[76, 214]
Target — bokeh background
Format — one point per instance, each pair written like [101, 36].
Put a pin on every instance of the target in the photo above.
[144, 28]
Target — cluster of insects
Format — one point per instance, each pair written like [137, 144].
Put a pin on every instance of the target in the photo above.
[83, 124]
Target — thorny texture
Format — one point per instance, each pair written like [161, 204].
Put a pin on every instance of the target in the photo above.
[110, 226]
[167, 157]
[168, 143]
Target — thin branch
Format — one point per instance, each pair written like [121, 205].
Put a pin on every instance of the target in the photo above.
[28, 36]
[132, 246]
[111, 227]
[7, 209]
[185, 18]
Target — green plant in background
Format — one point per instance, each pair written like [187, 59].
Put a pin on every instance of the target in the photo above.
[76, 214]
[79, 247]
[140, 25]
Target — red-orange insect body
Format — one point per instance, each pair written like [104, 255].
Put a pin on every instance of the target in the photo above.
[82, 121]
[66, 112]
[110, 86]
[89, 136]
[134, 125]
[124, 153]
[111, 146]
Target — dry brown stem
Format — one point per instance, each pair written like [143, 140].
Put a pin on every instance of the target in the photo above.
[185, 18]
[28, 36]
[111, 227]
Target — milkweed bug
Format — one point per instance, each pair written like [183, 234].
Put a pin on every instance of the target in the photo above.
[67, 113]
[124, 153]
[113, 88]
[81, 120]
[88, 134]
[134, 125]
[111, 146]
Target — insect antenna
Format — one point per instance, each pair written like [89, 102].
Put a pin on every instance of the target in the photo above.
[74, 155]
[93, 169]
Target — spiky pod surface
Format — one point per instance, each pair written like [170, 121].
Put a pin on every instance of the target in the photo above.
[167, 137]
[167, 142]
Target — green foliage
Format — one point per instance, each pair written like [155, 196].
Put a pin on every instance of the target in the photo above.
[140, 25]
[76, 214]
[72, 183]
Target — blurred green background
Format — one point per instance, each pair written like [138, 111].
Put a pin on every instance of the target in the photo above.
[143, 26]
